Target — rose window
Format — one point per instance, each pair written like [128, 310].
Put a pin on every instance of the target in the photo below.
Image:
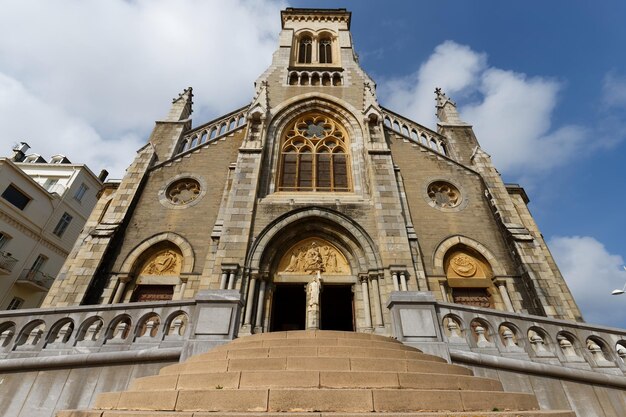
[183, 191]
[444, 194]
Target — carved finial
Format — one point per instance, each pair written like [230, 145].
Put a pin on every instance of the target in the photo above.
[446, 108]
[187, 94]
[442, 99]
[258, 108]
[181, 106]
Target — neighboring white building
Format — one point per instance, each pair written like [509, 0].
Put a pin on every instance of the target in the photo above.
[43, 207]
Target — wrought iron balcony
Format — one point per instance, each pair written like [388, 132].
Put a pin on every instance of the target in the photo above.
[7, 262]
[38, 280]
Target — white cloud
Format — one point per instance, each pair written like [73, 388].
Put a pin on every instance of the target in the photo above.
[592, 273]
[511, 113]
[109, 69]
[614, 90]
[452, 67]
[512, 122]
[54, 131]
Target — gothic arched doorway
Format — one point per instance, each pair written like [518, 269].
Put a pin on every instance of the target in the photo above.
[312, 288]
[285, 260]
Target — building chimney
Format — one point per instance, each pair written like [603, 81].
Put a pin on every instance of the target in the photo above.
[103, 175]
[19, 151]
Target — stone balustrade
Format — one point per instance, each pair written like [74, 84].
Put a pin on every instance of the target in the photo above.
[421, 321]
[213, 130]
[32, 333]
[415, 132]
[534, 338]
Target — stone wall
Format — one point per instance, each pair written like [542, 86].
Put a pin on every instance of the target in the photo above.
[41, 393]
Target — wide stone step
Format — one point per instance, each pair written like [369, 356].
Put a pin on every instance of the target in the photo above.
[306, 363]
[385, 343]
[320, 351]
[132, 413]
[312, 334]
[316, 400]
[313, 379]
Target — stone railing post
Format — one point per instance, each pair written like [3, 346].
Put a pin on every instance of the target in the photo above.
[215, 321]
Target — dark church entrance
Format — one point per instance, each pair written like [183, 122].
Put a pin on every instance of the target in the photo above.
[337, 308]
[288, 308]
[152, 293]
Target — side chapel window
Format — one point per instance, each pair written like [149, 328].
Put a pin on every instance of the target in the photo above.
[314, 155]
[305, 50]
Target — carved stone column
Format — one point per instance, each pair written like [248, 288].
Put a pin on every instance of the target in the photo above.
[183, 287]
[232, 277]
[378, 311]
[260, 305]
[123, 280]
[444, 291]
[366, 301]
[229, 276]
[224, 280]
[505, 296]
[250, 301]
[394, 280]
[403, 281]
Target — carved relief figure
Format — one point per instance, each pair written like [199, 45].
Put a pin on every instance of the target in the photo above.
[464, 265]
[166, 262]
[313, 259]
[313, 255]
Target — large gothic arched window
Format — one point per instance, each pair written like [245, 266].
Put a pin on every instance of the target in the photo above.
[314, 155]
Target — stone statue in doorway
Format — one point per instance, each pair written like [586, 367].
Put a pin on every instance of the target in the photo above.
[313, 300]
[313, 291]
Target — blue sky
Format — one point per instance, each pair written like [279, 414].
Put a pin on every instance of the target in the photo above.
[543, 83]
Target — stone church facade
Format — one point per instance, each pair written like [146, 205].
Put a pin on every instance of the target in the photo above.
[311, 226]
[315, 176]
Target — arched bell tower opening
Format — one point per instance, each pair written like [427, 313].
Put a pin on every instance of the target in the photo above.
[307, 270]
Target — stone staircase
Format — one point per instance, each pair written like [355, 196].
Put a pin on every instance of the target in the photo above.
[313, 373]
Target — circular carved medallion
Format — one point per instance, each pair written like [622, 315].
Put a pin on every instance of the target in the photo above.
[464, 265]
[444, 194]
[183, 191]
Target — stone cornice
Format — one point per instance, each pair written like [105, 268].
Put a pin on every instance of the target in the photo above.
[315, 15]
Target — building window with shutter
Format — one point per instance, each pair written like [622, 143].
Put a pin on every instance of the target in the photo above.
[314, 155]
